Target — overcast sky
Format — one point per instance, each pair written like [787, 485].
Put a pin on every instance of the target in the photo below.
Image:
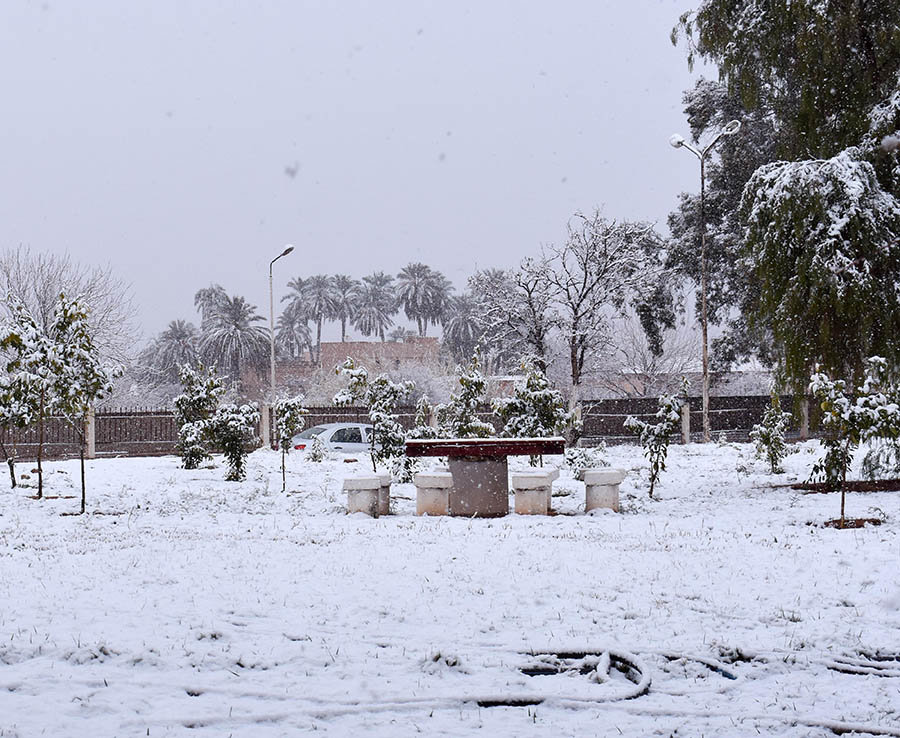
[184, 142]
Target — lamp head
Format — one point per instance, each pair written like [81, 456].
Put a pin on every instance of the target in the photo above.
[286, 251]
[676, 141]
[731, 128]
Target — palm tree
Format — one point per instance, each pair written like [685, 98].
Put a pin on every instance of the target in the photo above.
[207, 300]
[175, 347]
[321, 301]
[461, 330]
[292, 332]
[424, 294]
[230, 338]
[441, 301]
[347, 293]
[377, 305]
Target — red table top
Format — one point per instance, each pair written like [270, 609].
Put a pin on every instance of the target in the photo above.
[485, 447]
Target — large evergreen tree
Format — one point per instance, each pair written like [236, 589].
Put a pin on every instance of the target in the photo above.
[823, 251]
[808, 80]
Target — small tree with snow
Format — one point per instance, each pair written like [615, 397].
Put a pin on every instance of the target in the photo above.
[232, 428]
[874, 416]
[15, 413]
[422, 427]
[195, 405]
[459, 417]
[536, 411]
[579, 459]
[32, 364]
[381, 396]
[82, 378]
[769, 435]
[317, 452]
[654, 438]
[290, 419]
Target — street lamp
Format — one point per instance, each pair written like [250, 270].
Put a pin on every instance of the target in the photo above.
[678, 142]
[286, 251]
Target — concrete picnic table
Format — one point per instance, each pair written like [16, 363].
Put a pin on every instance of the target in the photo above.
[480, 470]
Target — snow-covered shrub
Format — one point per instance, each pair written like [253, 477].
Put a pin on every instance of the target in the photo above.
[232, 428]
[874, 417]
[769, 435]
[381, 396]
[536, 411]
[317, 452]
[422, 427]
[201, 390]
[581, 459]
[654, 438]
[458, 418]
[290, 418]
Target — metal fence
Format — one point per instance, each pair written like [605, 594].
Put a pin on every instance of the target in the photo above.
[154, 431]
[732, 417]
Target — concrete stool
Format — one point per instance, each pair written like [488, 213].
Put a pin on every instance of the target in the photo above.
[433, 492]
[363, 493]
[532, 490]
[384, 494]
[601, 487]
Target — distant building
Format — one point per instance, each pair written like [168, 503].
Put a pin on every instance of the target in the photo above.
[296, 375]
[382, 355]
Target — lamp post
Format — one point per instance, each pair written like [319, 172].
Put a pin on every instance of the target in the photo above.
[678, 142]
[286, 251]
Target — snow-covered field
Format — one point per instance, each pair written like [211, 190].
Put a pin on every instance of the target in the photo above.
[186, 605]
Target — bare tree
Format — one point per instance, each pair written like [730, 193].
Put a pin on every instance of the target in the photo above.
[634, 369]
[601, 268]
[515, 314]
[38, 279]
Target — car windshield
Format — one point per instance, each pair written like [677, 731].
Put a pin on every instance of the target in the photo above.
[312, 432]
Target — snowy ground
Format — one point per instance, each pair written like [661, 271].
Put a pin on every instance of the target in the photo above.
[186, 605]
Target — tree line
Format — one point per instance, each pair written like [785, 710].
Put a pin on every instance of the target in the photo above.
[560, 303]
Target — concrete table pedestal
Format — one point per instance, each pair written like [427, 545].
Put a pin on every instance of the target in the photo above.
[362, 494]
[601, 488]
[480, 487]
[433, 492]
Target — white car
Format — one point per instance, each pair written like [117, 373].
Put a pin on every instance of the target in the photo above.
[346, 437]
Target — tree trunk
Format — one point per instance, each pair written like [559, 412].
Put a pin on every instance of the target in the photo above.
[319, 339]
[11, 462]
[283, 476]
[82, 475]
[40, 451]
[343, 330]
